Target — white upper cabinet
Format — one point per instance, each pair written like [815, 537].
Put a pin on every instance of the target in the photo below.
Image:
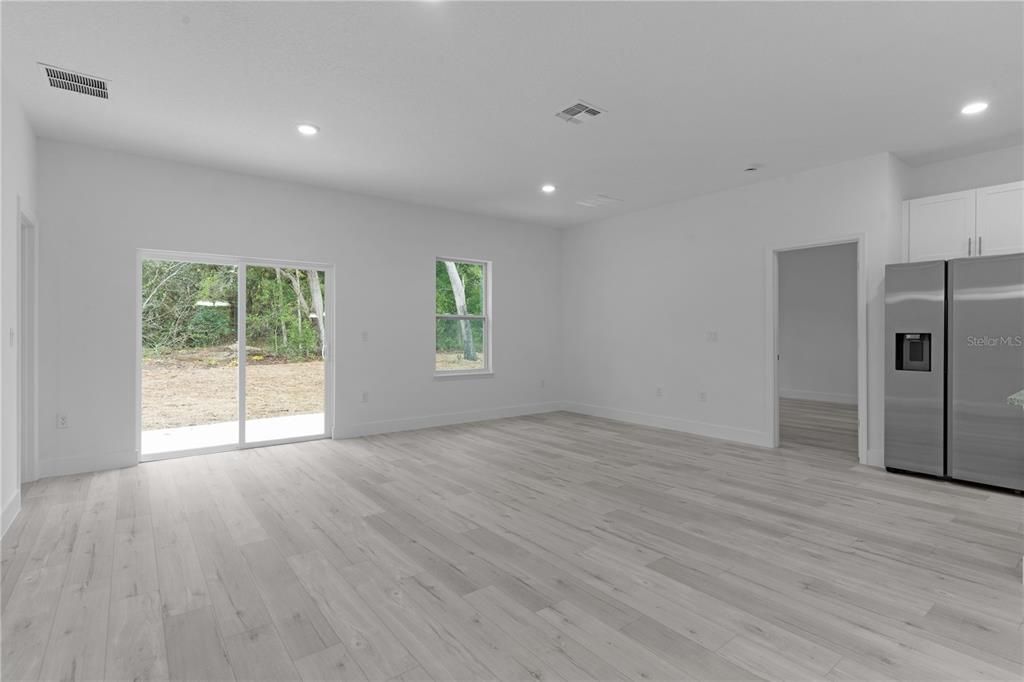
[979, 222]
[1001, 219]
[940, 227]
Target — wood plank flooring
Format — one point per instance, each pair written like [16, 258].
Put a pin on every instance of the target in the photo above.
[551, 547]
[818, 424]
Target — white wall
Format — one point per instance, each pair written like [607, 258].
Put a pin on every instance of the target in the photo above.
[967, 172]
[639, 293]
[17, 177]
[97, 207]
[642, 291]
[818, 323]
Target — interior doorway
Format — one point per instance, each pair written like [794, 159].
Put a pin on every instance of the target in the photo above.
[817, 348]
[233, 353]
[27, 365]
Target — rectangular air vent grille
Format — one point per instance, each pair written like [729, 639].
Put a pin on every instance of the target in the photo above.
[579, 112]
[76, 82]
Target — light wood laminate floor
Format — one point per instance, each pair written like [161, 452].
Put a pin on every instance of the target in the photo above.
[548, 547]
[832, 426]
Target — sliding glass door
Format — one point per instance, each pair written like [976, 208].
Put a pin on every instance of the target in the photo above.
[285, 332]
[189, 356]
[233, 353]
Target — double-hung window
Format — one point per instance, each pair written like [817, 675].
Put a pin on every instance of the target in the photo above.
[462, 310]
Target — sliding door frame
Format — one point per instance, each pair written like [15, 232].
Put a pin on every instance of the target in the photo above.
[241, 263]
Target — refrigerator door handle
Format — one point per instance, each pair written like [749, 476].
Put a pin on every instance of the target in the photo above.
[970, 241]
[979, 244]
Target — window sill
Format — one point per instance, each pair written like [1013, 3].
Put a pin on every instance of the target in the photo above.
[481, 374]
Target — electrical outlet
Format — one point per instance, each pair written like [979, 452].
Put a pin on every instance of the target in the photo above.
[712, 336]
[366, 396]
[62, 421]
[659, 392]
[543, 383]
[366, 336]
[703, 397]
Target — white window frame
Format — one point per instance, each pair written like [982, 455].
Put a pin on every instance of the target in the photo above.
[487, 317]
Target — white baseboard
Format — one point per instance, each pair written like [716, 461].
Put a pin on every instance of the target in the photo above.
[11, 509]
[818, 396]
[82, 464]
[876, 457]
[426, 422]
[64, 466]
[721, 431]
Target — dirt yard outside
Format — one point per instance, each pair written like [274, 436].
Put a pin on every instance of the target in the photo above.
[199, 386]
[456, 360]
[188, 388]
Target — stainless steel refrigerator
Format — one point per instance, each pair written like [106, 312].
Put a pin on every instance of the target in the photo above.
[954, 391]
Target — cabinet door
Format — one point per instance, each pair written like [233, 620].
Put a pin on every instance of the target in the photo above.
[1001, 219]
[940, 227]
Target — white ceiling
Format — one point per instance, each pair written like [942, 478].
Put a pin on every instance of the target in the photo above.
[453, 104]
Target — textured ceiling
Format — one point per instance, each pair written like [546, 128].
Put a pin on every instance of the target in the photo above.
[453, 104]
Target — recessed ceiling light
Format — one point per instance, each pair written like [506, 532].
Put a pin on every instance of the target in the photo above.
[974, 108]
[547, 189]
[307, 129]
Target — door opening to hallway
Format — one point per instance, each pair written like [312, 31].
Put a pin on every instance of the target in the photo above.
[817, 347]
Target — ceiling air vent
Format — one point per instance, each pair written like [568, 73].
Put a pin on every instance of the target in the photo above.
[599, 200]
[75, 82]
[579, 112]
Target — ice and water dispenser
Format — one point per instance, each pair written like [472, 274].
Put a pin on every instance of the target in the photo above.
[913, 352]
